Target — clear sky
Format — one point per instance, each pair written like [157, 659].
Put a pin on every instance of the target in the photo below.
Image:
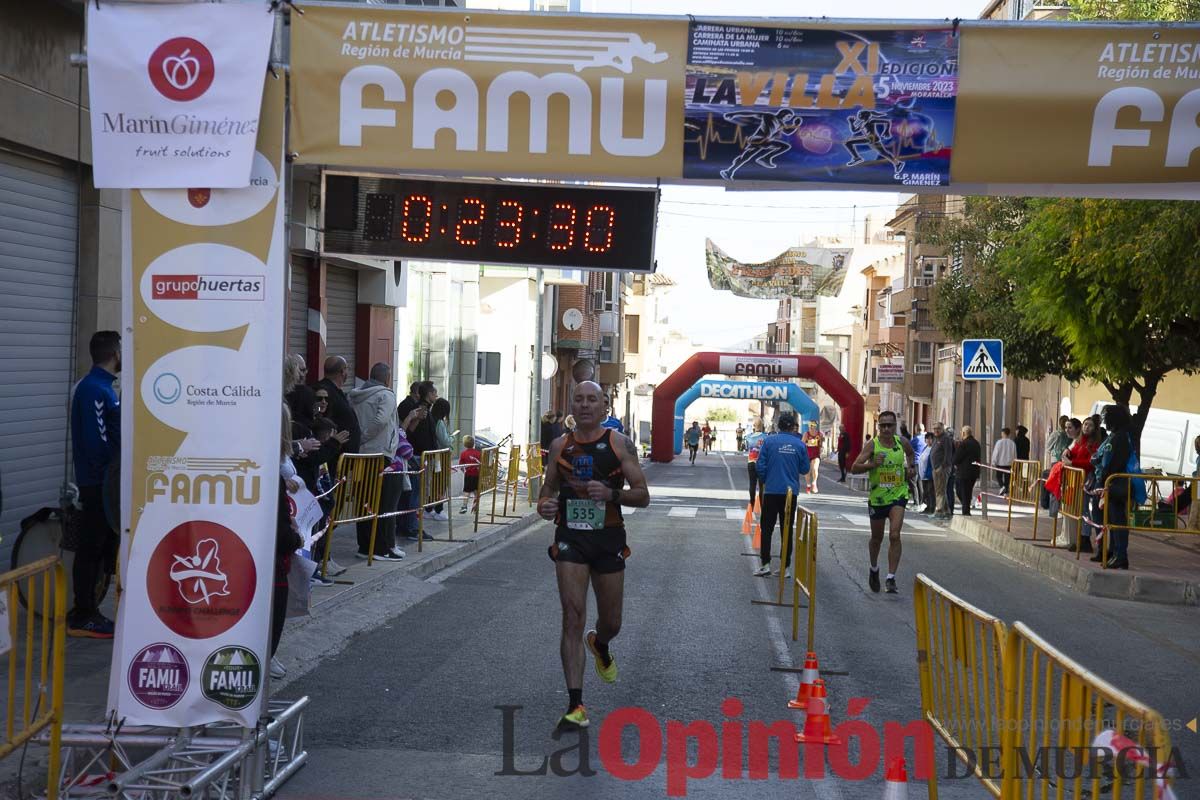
[754, 226]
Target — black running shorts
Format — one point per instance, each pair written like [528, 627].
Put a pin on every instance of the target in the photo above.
[603, 550]
[882, 512]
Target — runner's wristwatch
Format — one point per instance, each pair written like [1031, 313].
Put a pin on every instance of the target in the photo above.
[616, 496]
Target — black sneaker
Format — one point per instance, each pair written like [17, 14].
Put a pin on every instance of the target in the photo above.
[389, 556]
[891, 586]
[873, 579]
[96, 626]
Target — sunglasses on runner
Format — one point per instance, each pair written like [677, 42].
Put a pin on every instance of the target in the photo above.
[887, 424]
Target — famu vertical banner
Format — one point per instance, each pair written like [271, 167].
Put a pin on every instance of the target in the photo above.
[204, 287]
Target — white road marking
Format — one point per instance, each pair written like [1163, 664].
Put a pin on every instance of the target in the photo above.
[626, 511]
[735, 513]
[728, 473]
[682, 511]
[867, 531]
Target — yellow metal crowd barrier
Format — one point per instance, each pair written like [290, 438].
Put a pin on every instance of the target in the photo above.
[1053, 710]
[37, 642]
[804, 571]
[1148, 517]
[356, 498]
[435, 489]
[489, 473]
[988, 689]
[534, 471]
[1071, 506]
[512, 481]
[960, 663]
[1024, 486]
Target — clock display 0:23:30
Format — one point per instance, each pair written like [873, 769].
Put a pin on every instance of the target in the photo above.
[517, 223]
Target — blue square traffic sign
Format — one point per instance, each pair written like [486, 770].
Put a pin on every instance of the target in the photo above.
[983, 359]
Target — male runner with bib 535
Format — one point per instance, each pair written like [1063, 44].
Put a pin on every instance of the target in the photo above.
[583, 493]
[889, 461]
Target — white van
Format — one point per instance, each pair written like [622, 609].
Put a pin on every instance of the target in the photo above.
[1167, 439]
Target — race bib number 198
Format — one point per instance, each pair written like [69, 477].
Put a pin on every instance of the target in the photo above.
[585, 515]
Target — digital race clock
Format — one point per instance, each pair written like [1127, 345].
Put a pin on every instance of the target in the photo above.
[531, 224]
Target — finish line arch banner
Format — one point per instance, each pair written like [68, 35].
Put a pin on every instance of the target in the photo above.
[204, 283]
[788, 393]
[1039, 108]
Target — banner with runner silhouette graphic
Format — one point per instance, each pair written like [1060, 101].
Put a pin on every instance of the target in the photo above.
[204, 281]
[872, 106]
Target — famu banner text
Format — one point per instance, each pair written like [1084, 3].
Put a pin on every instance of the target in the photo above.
[204, 282]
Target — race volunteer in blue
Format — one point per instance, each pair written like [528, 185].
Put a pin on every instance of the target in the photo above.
[95, 444]
[782, 459]
[583, 493]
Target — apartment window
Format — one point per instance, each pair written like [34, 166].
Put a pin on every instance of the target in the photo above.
[924, 352]
[487, 368]
[632, 332]
[606, 348]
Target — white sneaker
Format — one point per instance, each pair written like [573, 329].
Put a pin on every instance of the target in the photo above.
[334, 568]
[762, 571]
[277, 669]
[441, 516]
[396, 551]
[787, 573]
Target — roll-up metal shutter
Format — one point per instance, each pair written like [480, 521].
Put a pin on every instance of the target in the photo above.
[341, 308]
[38, 226]
[297, 328]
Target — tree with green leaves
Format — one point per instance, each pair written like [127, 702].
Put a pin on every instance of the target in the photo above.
[1099, 289]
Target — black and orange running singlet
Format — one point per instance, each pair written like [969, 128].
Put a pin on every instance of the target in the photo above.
[580, 462]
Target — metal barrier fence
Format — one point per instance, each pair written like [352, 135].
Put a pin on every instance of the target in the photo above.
[36, 658]
[960, 663]
[1150, 517]
[435, 490]
[1024, 486]
[512, 480]
[804, 574]
[356, 498]
[1054, 709]
[1071, 504]
[489, 473]
[535, 470]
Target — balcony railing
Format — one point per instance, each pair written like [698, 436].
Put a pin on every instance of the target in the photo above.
[922, 369]
[948, 354]
[924, 280]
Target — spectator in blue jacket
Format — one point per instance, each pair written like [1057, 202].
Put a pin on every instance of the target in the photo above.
[95, 443]
[782, 459]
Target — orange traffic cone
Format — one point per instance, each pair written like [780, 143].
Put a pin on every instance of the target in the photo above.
[816, 723]
[811, 674]
[748, 520]
[896, 786]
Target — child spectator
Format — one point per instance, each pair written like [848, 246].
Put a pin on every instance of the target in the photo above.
[471, 457]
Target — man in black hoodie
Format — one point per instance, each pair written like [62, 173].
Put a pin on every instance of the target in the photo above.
[1113, 458]
[343, 416]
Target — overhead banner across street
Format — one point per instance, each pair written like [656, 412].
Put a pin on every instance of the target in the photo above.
[175, 92]
[204, 283]
[817, 104]
[800, 272]
[1085, 105]
[1047, 109]
[578, 95]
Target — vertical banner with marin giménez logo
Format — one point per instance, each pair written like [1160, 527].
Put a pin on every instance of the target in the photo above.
[175, 91]
[204, 282]
[869, 107]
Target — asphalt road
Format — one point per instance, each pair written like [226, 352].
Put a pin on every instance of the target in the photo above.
[412, 708]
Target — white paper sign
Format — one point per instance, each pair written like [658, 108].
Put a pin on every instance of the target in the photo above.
[175, 92]
[306, 510]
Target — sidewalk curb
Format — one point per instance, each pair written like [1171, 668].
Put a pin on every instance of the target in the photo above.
[1117, 584]
[424, 567]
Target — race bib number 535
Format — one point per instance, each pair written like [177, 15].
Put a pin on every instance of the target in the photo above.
[585, 515]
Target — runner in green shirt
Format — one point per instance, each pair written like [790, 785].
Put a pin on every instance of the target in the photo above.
[890, 462]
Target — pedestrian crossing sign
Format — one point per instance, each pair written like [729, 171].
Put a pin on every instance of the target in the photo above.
[983, 359]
